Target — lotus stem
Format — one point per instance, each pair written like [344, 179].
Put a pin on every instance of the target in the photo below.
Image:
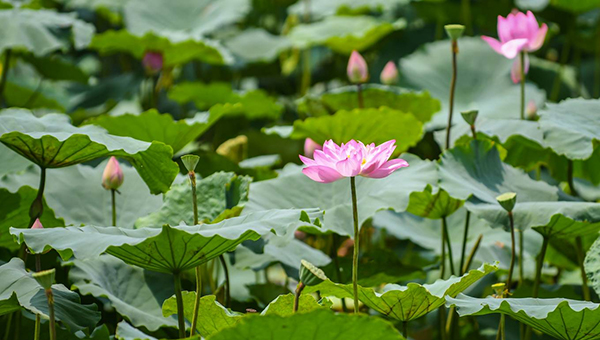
[539, 266]
[359, 93]
[570, 181]
[465, 6]
[36, 209]
[36, 332]
[192, 176]
[50, 297]
[447, 238]
[356, 242]
[299, 289]
[521, 251]
[114, 207]
[522, 70]
[336, 264]
[464, 244]
[473, 131]
[443, 255]
[405, 329]
[564, 57]
[179, 299]
[5, 66]
[227, 281]
[306, 72]
[581, 258]
[8, 324]
[513, 254]
[472, 254]
[452, 89]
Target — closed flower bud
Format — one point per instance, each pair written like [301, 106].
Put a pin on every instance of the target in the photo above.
[531, 110]
[153, 62]
[357, 70]
[389, 75]
[37, 224]
[112, 178]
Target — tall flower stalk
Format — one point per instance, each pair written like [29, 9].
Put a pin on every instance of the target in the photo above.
[46, 279]
[112, 179]
[519, 34]
[454, 32]
[190, 162]
[38, 268]
[352, 159]
[358, 73]
[507, 201]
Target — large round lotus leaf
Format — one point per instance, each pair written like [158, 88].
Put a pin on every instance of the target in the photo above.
[321, 9]
[257, 45]
[293, 189]
[52, 142]
[592, 265]
[343, 34]
[483, 80]
[34, 30]
[561, 318]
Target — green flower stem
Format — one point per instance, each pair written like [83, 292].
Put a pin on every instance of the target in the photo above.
[299, 289]
[192, 176]
[570, 181]
[114, 207]
[336, 263]
[443, 256]
[538, 278]
[448, 244]
[581, 258]
[472, 254]
[356, 243]
[473, 132]
[50, 298]
[179, 299]
[8, 324]
[464, 244]
[306, 72]
[227, 281]
[513, 254]
[405, 329]
[5, 66]
[36, 209]
[359, 93]
[522, 70]
[36, 332]
[452, 90]
[521, 251]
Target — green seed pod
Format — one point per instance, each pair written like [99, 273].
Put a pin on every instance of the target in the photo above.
[454, 31]
[190, 162]
[507, 200]
[310, 275]
[45, 278]
[470, 116]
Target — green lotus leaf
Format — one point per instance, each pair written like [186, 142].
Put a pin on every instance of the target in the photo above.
[592, 265]
[55, 67]
[19, 289]
[52, 142]
[326, 8]
[76, 196]
[31, 92]
[559, 318]
[34, 31]
[293, 189]
[167, 249]
[254, 104]
[316, 325]
[343, 34]
[419, 104]
[433, 205]
[409, 302]
[212, 316]
[366, 125]
[219, 195]
[283, 305]
[152, 126]
[127, 332]
[255, 45]
[176, 50]
[135, 294]
[576, 6]
[10, 162]
[478, 86]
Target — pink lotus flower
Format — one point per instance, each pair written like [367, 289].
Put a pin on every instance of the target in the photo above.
[515, 70]
[310, 146]
[112, 177]
[153, 62]
[357, 69]
[351, 159]
[389, 75]
[518, 32]
[37, 224]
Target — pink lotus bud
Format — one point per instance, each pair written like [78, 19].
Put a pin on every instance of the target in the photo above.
[299, 235]
[37, 224]
[531, 110]
[112, 178]
[357, 69]
[153, 62]
[389, 75]
[515, 70]
[310, 146]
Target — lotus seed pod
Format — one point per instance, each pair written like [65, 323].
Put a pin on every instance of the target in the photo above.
[454, 31]
[190, 162]
[45, 278]
[310, 275]
[507, 200]
[470, 116]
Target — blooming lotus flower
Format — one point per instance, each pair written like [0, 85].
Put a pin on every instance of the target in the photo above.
[389, 75]
[37, 224]
[310, 146]
[351, 159]
[515, 70]
[357, 69]
[153, 61]
[112, 177]
[518, 32]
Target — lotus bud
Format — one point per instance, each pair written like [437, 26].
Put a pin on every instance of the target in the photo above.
[357, 69]
[507, 200]
[470, 116]
[389, 75]
[153, 62]
[310, 275]
[454, 31]
[45, 278]
[112, 178]
[37, 224]
[310, 146]
[190, 162]
[531, 110]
